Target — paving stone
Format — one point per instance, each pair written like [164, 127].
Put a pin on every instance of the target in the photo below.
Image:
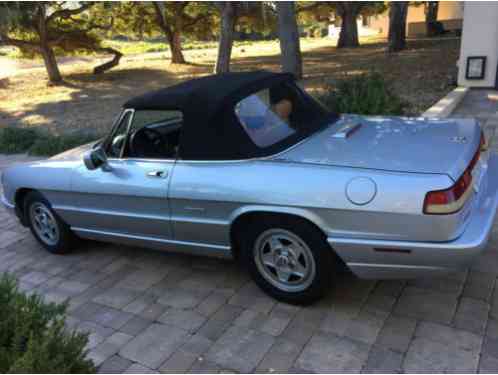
[35, 277]
[135, 325]
[197, 344]
[201, 366]
[451, 336]
[435, 357]
[391, 288]
[114, 365]
[213, 329]
[137, 368]
[383, 360]
[153, 346]
[102, 315]
[240, 349]
[179, 362]
[186, 319]
[331, 353]
[426, 305]
[227, 313]
[211, 304]
[479, 285]
[280, 357]
[439, 348]
[273, 324]
[181, 299]
[366, 326]
[249, 298]
[490, 346]
[73, 287]
[488, 365]
[378, 302]
[352, 288]
[116, 297]
[109, 347]
[450, 283]
[396, 333]
[97, 333]
[492, 329]
[142, 279]
[472, 315]
[153, 311]
[139, 304]
[340, 317]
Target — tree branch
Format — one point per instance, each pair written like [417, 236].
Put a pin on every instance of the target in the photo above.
[7, 41]
[66, 13]
[160, 19]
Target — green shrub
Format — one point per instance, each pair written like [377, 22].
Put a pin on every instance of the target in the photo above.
[16, 140]
[20, 140]
[366, 94]
[33, 337]
[52, 145]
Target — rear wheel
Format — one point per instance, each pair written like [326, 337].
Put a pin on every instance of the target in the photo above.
[50, 231]
[289, 259]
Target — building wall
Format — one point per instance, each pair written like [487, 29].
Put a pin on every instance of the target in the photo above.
[448, 10]
[479, 38]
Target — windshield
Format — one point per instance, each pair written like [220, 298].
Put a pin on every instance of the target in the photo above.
[274, 114]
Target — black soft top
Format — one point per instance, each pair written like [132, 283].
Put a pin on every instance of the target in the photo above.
[210, 128]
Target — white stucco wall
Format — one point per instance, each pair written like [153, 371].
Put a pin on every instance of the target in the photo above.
[448, 10]
[479, 38]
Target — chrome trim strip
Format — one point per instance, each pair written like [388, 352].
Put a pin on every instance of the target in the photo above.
[394, 244]
[176, 219]
[396, 266]
[145, 217]
[111, 213]
[151, 239]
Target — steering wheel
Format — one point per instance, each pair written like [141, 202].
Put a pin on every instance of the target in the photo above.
[148, 142]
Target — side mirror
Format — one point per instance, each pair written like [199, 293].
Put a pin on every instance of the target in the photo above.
[96, 158]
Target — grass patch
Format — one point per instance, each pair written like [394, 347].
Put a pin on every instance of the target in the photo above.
[21, 140]
[139, 47]
[33, 337]
[365, 94]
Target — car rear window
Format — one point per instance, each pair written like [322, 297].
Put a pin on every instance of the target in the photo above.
[266, 122]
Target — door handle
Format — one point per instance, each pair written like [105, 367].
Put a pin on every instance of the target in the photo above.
[157, 174]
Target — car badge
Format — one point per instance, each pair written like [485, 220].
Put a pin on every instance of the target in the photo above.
[458, 139]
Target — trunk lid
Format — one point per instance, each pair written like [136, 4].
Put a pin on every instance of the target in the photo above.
[401, 144]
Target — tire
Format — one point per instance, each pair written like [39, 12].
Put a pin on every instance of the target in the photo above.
[46, 226]
[299, 253]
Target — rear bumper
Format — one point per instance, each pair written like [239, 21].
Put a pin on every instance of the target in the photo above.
[380, 259]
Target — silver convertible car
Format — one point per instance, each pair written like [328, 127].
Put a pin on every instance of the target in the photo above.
[248, 165]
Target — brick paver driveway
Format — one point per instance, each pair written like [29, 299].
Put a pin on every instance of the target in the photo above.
[155, 312]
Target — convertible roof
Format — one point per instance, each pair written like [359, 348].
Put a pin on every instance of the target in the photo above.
[210, 130]
[211, 90]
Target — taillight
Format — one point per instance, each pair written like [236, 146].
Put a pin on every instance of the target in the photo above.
[448, 201]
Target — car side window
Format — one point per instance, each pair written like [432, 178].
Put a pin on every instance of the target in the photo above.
[116, 144]
[154, 134]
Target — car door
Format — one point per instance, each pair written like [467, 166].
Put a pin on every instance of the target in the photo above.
[127, 198]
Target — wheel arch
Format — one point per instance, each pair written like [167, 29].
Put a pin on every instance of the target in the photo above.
[245, 215]
[19, 198]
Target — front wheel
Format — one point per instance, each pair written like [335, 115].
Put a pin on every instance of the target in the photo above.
[289, 259]
[50, 231]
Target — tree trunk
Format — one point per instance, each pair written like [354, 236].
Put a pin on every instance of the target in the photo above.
[348, 36]
[431, 10]
[397, 26]
[228, 18]
[289, 39]
[175, 45]
[54, 75]
[110, 64]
